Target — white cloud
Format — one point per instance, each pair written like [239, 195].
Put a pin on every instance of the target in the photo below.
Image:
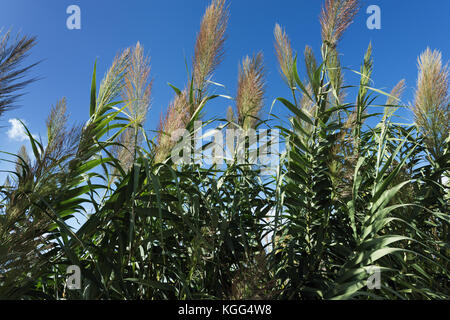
[16, 131]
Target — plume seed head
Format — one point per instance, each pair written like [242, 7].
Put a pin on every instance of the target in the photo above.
[177, 117]
[396, 93]
[394, 98]
[251, 89]
[137, 84]
[112, 84]
[230, 114]
[336, 17]
[305, 102]
[136, 92]
[432, 100]
[209, 47]
[56, 121]
[23, 161]
[310, 61]
[284, 55]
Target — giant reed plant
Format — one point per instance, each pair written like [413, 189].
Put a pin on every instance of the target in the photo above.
[346, 199]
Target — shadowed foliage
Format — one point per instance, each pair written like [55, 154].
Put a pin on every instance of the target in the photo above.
[349, 199]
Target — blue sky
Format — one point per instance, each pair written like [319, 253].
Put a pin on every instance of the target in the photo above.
[167, 30]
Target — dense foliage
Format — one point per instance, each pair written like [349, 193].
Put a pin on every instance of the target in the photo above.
[346, 197]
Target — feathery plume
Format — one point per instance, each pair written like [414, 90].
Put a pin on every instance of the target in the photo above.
[137, 85]
[230, 114]
[136, 92]
[284, 55]
[394, 98]
[305, 102]
[56, 122]
[112, 83]
[209, 50]
[209, 47]
[432, 101]
[110, 89]
[23, 161]
[61, 141]
[336, 17]
[177, 117]
[310, 61]
[251, 89]
[11, 75]
[124, 152]
[396, 93]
